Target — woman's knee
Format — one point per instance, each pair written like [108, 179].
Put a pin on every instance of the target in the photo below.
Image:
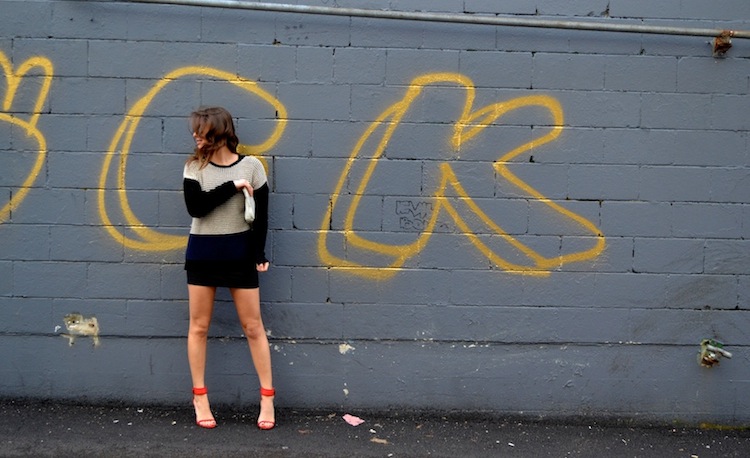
[198, 328]
[254, 329]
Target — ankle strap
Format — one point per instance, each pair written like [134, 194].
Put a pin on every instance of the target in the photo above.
[267, 391]
[200, 391]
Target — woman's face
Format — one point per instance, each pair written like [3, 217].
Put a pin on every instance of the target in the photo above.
[200, 140]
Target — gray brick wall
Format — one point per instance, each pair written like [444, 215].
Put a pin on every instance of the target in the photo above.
[410, 268]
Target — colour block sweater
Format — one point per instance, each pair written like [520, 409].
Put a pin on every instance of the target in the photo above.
[220, 238]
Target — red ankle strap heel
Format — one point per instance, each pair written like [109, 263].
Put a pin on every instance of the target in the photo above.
[267, 391]
[200, 391]
[208, 423]
[266, 424]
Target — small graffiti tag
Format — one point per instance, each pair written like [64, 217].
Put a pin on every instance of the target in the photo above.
[413, 216]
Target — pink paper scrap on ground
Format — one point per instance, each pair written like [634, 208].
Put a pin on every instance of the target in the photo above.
[352, 420]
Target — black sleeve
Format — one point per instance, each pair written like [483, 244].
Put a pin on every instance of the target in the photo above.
[199, 203]
[260, 224]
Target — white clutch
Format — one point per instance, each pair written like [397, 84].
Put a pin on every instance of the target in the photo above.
[249, 206]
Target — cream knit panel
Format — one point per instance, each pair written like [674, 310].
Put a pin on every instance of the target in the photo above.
[227, 218]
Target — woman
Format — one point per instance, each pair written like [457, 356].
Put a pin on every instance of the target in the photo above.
[224, 250]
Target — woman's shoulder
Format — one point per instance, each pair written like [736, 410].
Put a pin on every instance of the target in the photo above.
[248, 160]
[252, 163]
[191, 169]
[255, 170]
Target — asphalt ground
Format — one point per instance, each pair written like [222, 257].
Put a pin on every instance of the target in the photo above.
[33, 428]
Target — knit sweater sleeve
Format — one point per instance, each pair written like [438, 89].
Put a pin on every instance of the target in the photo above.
[199, 202]
[260, 225]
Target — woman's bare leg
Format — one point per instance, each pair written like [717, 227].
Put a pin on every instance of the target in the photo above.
[247, 302]
[201, 300]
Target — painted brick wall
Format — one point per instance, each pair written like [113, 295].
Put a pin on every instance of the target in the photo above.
[522, 220]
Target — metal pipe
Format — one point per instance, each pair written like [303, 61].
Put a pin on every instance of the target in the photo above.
[724, 353]
[452, 18]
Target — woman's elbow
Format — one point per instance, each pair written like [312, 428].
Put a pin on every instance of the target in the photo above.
[196, 211]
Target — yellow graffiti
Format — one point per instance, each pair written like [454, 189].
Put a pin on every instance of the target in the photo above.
[469, 125]
[14, 79]
[148, 239]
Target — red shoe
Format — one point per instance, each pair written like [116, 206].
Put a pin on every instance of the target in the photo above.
[266, 424]
[208, 423]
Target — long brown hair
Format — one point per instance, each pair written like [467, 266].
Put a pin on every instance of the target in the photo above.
[216, 126]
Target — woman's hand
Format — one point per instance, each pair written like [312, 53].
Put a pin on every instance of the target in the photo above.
[243, 184]
[263, 267]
